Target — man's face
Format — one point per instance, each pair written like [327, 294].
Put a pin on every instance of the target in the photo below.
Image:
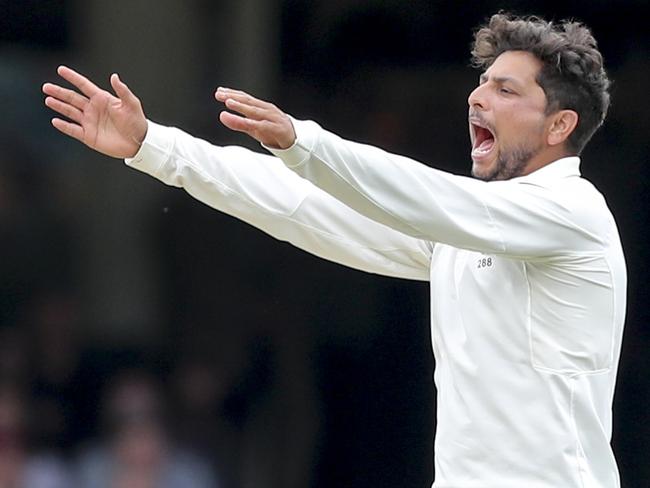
[507, 121]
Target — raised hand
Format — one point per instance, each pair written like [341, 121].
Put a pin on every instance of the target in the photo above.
[261, 120]
[112, 125]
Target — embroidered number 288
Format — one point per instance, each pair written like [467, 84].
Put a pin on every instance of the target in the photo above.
[484, 263]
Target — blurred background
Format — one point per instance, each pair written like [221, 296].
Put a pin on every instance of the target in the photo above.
[149, 341]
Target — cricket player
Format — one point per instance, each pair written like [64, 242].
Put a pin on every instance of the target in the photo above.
[524, 260]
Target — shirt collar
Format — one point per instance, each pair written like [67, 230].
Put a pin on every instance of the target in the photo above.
[562, 168]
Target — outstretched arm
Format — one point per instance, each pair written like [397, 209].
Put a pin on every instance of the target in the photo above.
[521, 218]
[260, 190]
[255, 188]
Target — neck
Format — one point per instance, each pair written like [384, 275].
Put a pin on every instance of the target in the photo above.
[549, 155]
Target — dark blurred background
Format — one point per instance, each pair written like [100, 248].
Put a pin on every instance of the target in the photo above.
[149, 341]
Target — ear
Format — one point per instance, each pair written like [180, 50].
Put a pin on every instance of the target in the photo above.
[563, 124]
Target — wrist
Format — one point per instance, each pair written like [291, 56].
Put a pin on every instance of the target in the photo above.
[138, 137]
[289, 134]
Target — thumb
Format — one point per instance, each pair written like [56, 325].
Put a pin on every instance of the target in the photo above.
[121, 90]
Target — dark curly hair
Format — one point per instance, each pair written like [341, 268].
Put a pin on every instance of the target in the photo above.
[572, 74]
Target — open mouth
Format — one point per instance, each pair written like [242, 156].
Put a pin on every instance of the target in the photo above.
[484, 139]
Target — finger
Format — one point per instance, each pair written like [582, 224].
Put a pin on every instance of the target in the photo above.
[224, 94]
[237, 123]
[73, 130]
[86, 86]
[65, 95]
[250, 111]
[220, 95]
[65, 109]
[121, 90]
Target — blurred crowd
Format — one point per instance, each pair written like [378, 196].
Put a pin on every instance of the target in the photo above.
[66, 419]
[73, 415]
[199, 409]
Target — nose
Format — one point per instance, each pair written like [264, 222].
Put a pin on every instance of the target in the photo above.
[477, 98]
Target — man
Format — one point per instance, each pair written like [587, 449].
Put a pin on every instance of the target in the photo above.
[528, 280]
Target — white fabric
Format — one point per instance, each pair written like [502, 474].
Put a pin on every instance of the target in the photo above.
[258, 189]
[527, 276]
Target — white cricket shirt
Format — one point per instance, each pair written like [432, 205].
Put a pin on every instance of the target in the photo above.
[528, 287]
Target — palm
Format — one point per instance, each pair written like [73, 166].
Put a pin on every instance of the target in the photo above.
[105, 124]
[112, 125]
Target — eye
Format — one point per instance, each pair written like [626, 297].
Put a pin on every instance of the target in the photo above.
[506, 91]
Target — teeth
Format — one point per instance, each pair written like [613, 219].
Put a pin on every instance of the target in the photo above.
[484, 148]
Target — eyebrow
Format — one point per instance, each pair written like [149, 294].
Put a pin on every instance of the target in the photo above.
[500, 79]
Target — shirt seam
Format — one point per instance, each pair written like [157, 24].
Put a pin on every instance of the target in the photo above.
[544, 369]
[614, 314]
[553, 257]
[167, 153]
[529, 321]
[494, 224]
[570, 374]
[579, 451]
[298, 143]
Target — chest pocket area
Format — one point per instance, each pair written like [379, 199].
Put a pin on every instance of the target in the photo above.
[572, 316]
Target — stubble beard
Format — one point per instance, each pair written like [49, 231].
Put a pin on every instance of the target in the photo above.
[509, 164]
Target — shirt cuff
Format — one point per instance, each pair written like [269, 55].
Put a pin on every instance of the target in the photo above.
[307, 133]
[155, 149]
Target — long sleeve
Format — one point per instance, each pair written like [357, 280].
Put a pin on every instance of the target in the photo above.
[261, 191]
[536, 216]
